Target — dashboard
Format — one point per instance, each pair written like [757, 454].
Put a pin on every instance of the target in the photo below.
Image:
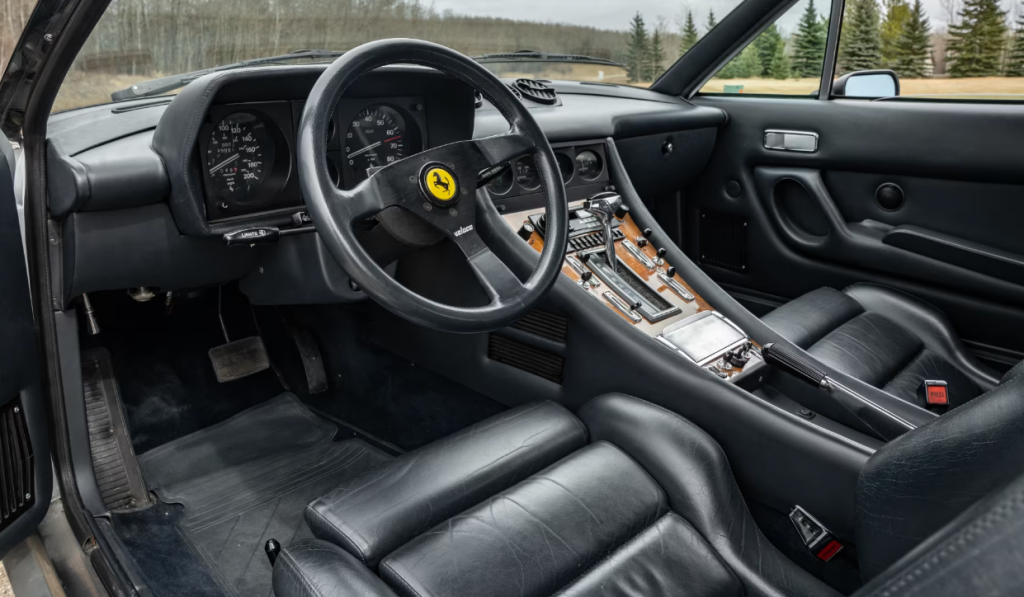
[144, 192]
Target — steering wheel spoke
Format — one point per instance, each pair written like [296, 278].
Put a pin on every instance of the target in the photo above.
[359, 203]
[501, 149]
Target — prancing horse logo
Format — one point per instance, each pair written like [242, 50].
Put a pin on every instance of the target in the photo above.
[439, 184]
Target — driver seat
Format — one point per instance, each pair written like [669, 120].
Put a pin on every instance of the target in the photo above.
[628, 499]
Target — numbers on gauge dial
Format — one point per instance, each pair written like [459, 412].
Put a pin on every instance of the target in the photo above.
[375, 138]
[238, 156]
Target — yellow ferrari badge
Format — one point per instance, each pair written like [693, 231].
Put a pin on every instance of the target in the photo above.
[440, 183]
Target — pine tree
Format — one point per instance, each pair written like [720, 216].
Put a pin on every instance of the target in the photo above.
[913, 45]
[637, 49]
[1015, 61]
[766, 44]
[655, 57]
[809, 47]
[689, 34]
[976, 43]
[897, 13]
[860, 47]
[711, 20]
[779, 67]
[744, 66]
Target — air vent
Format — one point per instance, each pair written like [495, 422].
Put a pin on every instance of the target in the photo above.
[544, 324]
[527, 358]
[723, 241]
[17, 471]
[515, 91]
[537, 91]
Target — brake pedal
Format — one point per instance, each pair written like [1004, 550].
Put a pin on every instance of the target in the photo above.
[240, 358]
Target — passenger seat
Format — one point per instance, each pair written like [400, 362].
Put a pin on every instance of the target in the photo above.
[885, 338]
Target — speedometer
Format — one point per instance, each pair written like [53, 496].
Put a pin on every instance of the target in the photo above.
[375, 138]
[239, 156]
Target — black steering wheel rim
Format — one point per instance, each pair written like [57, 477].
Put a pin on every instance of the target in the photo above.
[334, 211]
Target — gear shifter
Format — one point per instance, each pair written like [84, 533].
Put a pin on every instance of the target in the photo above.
[605, 206]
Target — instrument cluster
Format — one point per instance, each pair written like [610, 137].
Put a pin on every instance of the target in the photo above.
[247, 151]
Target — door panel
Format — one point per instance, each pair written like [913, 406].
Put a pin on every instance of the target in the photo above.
[814, 220]
[25, 475]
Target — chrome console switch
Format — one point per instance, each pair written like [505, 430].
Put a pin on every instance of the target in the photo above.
[622, 307]
[605, 206]
[638, 254]
[577, 266]
[675, 286]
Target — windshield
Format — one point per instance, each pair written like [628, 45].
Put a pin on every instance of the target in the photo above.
[632, 42]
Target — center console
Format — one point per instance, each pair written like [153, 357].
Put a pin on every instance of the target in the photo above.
[643, 288]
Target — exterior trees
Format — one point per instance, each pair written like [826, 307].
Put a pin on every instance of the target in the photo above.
[809, 47]
[860, 46]
[897, 13]
[767, 44]
[655, 57]
[637, 50]
[913, 45]
[1015, 61]
[689, 35]
[976, 43]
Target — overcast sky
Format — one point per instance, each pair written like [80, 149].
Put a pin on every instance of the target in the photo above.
[616, 14]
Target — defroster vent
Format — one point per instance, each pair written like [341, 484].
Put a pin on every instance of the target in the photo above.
[531, 359]
[17, 473]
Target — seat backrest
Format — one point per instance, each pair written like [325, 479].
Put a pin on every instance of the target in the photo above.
[980, 552]
[918, 483]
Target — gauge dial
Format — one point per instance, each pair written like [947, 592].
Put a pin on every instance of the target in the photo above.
[589, 165]
[526, 173]
[375, 138]
[502, 183]
[565, 166]
[239, 156]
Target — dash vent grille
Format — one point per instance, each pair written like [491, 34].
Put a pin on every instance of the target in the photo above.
[545, 324]
[17, 473]
[527, 358]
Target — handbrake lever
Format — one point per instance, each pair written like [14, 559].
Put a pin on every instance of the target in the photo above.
[885, 424]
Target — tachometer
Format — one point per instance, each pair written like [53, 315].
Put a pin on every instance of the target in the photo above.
[375, 138]
[239, 156]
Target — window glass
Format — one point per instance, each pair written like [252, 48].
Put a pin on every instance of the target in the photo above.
[629, 42]
[785, 59]
[941, 49]
[13, 17]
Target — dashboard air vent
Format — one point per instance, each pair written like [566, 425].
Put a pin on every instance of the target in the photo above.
[545, 324]
[537, 91]
[524, 357]
[515, 90]
[17, 473]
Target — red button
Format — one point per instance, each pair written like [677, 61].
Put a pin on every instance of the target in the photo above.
[829, 551]
[937, 396]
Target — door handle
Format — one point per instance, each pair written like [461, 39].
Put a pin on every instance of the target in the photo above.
[803, 141]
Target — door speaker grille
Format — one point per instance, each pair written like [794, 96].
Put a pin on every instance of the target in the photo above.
[723, 240]
[17, 473]
[524, 357]
[545, 324]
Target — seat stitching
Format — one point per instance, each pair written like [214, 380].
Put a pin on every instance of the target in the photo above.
[400, 578]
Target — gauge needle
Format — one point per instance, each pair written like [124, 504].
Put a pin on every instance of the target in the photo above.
[224, 163]
[363, 150]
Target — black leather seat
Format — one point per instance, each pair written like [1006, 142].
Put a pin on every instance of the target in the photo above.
[884, 338]
[629, 499]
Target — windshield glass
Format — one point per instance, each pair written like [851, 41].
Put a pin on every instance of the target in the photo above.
[633, 41]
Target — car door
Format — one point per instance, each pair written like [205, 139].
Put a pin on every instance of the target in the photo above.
[25, 474]
[921, 193]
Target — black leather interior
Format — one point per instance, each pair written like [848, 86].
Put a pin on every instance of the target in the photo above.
[521, 504]
[885, 338]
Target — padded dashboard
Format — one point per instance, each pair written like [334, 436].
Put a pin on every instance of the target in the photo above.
[139, 168]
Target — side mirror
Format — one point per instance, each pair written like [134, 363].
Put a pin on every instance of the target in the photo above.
[870, 84]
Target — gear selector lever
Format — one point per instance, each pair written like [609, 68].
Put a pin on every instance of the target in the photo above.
[606, 206]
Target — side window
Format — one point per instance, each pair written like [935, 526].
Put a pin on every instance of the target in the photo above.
[785, 59]
[945, 49]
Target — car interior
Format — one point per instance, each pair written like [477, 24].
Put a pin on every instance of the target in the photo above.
[392, 325]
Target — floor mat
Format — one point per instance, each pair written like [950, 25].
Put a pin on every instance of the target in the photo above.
[248, 480]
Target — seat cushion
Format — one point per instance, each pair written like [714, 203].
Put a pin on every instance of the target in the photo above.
[884, 338]
[648, 507]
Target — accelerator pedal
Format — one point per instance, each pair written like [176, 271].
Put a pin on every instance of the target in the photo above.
[113, 459]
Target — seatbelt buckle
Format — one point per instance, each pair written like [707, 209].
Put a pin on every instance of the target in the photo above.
[816, 538]
[935, 392]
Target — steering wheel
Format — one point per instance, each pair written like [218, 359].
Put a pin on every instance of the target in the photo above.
[441, 185]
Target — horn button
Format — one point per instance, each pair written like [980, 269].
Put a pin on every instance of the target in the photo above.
[439, 185]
